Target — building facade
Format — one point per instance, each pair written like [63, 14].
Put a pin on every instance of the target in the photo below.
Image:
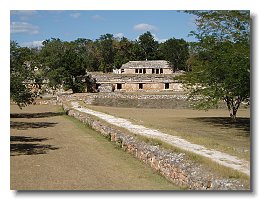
[147, 67]
[139, 76]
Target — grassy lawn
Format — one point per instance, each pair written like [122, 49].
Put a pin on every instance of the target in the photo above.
[212, 129]
[52, 151]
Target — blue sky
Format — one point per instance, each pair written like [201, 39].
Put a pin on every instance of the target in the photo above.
[30, 27]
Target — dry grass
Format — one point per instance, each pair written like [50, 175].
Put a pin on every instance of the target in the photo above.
[212, 129]
[215, 168]
[64, 154]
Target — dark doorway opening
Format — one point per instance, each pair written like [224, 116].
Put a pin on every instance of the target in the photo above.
[166, 86]
[119, 86]
[161, 71]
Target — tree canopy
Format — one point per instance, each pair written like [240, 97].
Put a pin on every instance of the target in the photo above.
[221, 63]
[148, 46]
[63, 64]
[176, 51]
[22, 87]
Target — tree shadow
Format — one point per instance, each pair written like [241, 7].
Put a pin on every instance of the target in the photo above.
[22, 145]
[26, 139]
[26, 125]
[241, 123]
[36, 115]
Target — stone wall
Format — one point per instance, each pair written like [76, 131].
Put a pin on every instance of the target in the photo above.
[146, 71]
[105, 87]
[176, 167]
[118, 99]
[106, 77]
[128, 82]
[167, 100]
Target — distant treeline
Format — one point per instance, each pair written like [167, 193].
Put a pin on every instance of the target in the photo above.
[108, 52]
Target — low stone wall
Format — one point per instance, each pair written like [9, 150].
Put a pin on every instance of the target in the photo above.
[176, 167]
[118, 99]
[46, 102]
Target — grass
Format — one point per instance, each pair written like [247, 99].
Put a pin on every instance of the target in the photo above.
[214, 167]
[212, 129]
[84, 159]
[152, 174]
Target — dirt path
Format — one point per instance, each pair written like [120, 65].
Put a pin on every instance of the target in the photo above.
[51, 151]
[219, 157]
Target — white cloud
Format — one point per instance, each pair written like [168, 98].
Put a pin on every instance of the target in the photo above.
[162, 40]
[75, 15]
[158, 39]
[97, 17]
[144, 27]
[24, 14]
[24, 27]
[37, 43]
[119, 35]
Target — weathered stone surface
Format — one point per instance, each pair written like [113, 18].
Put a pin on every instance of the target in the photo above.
[130, 100]
[131, 82]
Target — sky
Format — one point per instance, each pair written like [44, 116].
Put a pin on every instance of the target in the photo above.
[31, 27]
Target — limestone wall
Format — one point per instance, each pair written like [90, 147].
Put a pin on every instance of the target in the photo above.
[176, 167]
[136, 100]
[130, 82]
[141, 87]
[142, 100]
[146, 71]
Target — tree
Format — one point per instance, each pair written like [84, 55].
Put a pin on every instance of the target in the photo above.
[176, 51]
[22, 78]
[88, 52]
[63, 65]
[138, 53]
[148, 46]
[107, 52]
[123, 51]
[221, 68]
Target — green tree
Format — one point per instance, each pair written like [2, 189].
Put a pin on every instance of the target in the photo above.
[148, 46]
[138, 53]
[63, 65]
[88, 52]
[123, 51]
[22, 79]
[176, 51]
[107, 52]
[221, 67]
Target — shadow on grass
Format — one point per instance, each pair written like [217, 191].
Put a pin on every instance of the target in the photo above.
[26, 125]
[36, 115]
[241, 123]
[22, 145]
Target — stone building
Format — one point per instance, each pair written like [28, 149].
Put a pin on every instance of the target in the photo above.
[139, 76]
[147, 67]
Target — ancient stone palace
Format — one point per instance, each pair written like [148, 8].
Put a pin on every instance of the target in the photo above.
[154, 75]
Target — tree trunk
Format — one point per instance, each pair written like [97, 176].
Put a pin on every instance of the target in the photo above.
[233, 104]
